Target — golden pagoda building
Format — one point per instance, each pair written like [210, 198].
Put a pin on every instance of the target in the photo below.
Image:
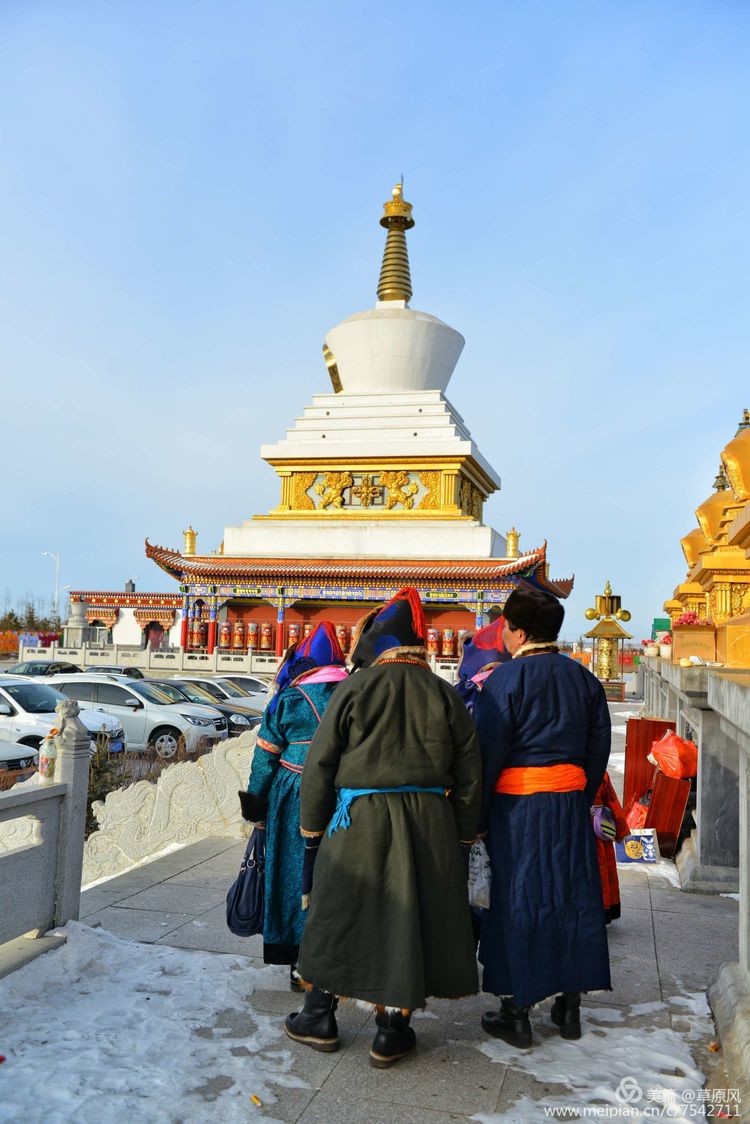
[716, 592]
[380, 485]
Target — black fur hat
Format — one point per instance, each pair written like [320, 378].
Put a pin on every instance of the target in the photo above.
[539, 614]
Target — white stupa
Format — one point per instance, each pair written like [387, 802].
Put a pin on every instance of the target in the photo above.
[383, 466]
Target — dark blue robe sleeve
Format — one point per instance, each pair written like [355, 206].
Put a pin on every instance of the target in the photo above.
[493, 717]
[598, 742]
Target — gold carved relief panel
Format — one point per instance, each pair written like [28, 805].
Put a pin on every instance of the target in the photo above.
[372, 490]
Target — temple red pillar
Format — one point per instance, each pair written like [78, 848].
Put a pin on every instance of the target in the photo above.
[211, 639]
[185, 625]
[280, 631]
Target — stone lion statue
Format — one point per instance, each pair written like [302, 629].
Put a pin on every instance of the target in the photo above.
[69, 725]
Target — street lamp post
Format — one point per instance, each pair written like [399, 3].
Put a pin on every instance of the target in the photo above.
[49, 554]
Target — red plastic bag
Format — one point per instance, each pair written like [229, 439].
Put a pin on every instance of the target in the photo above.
[636, 814]
[675, 756]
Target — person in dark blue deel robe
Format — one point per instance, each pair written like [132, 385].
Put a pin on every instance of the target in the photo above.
[544, 933]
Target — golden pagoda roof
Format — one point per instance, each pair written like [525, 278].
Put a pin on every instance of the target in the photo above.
[608, 629]
[692, 544]
[711, 511]
[736, 460]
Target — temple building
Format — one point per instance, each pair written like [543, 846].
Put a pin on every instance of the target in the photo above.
[713, 602]
[380, 486]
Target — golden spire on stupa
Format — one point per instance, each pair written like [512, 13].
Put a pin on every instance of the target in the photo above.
[395, 280]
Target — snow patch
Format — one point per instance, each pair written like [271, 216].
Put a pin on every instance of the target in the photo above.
[663, 869]
[105, 1030]
[735, 896]
[593, 1068]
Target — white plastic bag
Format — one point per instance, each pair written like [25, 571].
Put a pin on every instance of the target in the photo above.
[479, 876]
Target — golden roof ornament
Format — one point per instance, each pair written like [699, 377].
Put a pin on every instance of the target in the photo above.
[190, 537]
[745, 423]
[721, 483]
[395, 280]
[511, 543]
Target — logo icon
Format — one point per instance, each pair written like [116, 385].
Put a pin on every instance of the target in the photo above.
[629, 1091]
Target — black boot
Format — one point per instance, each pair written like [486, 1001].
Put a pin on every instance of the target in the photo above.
[394, 1039]
[566, 1013]
[510, 1023]
[295, 983]
[315, 1024]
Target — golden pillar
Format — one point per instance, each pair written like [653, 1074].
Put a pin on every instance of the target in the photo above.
[511, 543]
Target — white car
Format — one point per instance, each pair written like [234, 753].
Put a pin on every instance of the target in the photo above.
[150, 719]
[245, 690]
[27, 714]
[15, 757]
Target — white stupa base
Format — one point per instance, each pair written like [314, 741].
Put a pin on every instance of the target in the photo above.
[349, 538]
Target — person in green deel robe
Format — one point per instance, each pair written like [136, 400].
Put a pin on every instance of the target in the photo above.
[305, 683]
[390, 794]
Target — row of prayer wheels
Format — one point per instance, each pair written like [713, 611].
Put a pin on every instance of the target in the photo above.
[252, 637]
[260, 636]
[441, 643]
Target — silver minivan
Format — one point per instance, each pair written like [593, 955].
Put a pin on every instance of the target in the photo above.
[150, 719]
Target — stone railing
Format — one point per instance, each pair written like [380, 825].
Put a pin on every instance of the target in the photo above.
[712, 706]
[155, 662]
[263, 664]
[709, 860]
[42, 827]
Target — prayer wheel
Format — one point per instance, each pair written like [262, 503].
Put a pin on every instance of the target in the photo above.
[225, 635]
[238, 634]
[433, 648]
[342, 635]
[194, 633]
[266, 636]
[203, 634]
[449, 642]
[252, 636]
[294, 631]
[308, 627]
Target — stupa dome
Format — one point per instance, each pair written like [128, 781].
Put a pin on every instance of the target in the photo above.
[392, 347]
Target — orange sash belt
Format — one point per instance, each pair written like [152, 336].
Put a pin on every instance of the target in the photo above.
[541, 778]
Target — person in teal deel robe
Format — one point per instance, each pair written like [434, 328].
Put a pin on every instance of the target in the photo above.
[306, 681]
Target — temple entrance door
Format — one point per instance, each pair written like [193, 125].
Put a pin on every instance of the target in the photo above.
[154, 634]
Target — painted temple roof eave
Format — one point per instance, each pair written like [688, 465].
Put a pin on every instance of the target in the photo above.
[218, 567]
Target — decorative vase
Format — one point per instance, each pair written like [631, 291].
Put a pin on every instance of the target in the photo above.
[665, 651]
[651, 650]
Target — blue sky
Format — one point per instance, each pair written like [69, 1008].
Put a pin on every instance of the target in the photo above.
[189, 198]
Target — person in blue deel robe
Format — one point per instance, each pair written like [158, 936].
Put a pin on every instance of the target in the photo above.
[305, 683]
[544, 733]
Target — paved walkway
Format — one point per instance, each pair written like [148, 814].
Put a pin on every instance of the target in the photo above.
[667, 946]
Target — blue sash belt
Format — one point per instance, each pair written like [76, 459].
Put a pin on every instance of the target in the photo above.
[345, 797]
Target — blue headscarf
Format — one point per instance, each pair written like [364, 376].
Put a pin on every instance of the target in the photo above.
[320, 649]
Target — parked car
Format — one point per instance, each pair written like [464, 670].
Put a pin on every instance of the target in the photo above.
[240, 718]
[223, 689]
[41, 667]
[15, 757]
[27, 714]
[258, 689]
[151, 720]
[115, 669]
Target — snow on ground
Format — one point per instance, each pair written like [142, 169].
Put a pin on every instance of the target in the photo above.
[102, 1031]
[665, 868]
[611, 1065]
